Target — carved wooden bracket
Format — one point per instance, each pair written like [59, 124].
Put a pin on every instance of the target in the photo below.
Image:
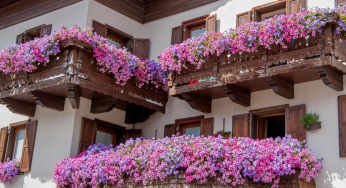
[73, 95]
[331, 78]
[237, 94]
[19, 107]
[47, 100]
[137, 114]
[103, 105]
[197, 102]
[281, 87]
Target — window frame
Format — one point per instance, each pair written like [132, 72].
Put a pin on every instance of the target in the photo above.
[190, 125]
[189, 24]
[272, 6]
[181, 123]
[106, 130]
[33, 31]
[16, 129]
[120, 36]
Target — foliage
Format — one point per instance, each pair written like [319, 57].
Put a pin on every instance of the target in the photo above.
[9, 171]
[248, 37]
[309, 118]
[120, 62]
[222, 133]
[145, 160]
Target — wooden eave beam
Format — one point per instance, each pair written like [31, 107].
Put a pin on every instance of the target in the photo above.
[48, 101]
[330, 77]
[19, 107]
[281, 87]
[73, 95]
[197, 102]
[104, 105]
[237, 94]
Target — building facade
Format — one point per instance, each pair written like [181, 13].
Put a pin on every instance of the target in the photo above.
[83, 109]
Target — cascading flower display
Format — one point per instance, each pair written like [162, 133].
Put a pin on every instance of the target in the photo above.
[248, 37]
[9, 171]
[144, 160]
[120, 62]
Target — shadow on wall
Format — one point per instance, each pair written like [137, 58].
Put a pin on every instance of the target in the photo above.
[334, 176]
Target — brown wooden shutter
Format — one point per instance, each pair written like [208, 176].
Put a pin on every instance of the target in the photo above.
[177, 35]
[45, 30]
[293, 125]
[207, 127]
[3, 143]
[169, 130]
[20, 38]
[339, 2]
[88, 134]
[133, 133]
[210, 23]
[141, 48]
[100, 28]
[241, 125]
[342, 125]
[294, 6]
[28, 146]
[244, 18]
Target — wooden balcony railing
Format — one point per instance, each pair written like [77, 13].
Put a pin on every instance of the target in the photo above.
[237, 75]
[72, 73]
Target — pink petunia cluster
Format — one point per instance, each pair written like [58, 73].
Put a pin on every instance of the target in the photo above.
[144, 160]
[120, 62]
[280, 30]
[9, 171]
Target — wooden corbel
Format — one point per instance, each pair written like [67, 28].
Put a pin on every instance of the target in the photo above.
[104, 105]
[47, 100]
[281, 87]
[237, 94]
[137, 114]
[73, 95]
[331, 78]
[19, 107]
[197, 102]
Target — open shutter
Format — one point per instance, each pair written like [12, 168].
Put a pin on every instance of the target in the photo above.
[244, 18]
[20, 38]
[133, 133]
[100, 28]
[169, 130]
[177, 35]
[339, 2]
[342, 125]
[207, 127]
[45, 30]
[210, 23]
[3, 142]
[293, 125]
[294, 6]
[28, 146]
[241, 125]
[88, 134]
[141, 48]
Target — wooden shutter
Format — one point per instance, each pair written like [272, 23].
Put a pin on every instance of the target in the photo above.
[294, 6]
[100, 28]
[339, 2]
[207, 127]
[88, 134]
[3, 143]
[293, 125]
[244, 18]
[177, 35]
[169, 130]
[20, 38]
[133, 133]
[141, 48]
[210, 23]
[45, 30]
[241, 125]
[28, 146]
[342, 125]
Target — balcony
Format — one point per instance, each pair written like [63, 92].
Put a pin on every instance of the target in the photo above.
[74, 73]
[320, 57]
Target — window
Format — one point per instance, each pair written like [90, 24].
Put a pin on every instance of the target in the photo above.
[105, 136]
[193, 129]
[17, 141]
[138, 47]
[36, 32]
[193, 125]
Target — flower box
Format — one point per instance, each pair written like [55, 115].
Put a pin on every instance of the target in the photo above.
[314, 126]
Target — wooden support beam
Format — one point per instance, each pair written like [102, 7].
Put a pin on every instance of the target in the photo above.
[331, 78]
[48, 101]
[137, 114]
[19, 107]
[73, 95]
[238, 95]
[281, 87]
[197, 102]
[104, 105]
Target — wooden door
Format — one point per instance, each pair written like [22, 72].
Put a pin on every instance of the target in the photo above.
[88, 134]
[293, 125]
[241, 125]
